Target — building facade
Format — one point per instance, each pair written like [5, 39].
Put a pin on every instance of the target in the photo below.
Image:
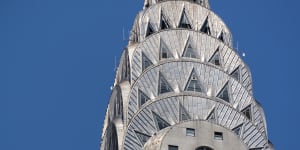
[181, 86]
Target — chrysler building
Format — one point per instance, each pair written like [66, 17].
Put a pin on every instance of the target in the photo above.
[180, 85]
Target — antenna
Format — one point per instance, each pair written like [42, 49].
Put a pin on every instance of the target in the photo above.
[123, 34]
[237, 46]
[115, 69]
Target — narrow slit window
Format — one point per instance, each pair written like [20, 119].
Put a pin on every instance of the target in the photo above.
[218, 136]
[204, 148]
[172, 147]
[260, 148]
[190, 132]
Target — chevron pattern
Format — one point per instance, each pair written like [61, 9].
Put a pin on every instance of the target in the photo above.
[180, 67]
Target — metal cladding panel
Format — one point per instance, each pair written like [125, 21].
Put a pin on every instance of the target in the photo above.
[198, 108]
[172, 10]
[204, 51]
[209, 78]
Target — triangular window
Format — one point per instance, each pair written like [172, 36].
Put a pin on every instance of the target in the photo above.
[160, 123]
[163, 22]
[224, 93]
[211, 116]
[164, 51]
[193, 83]
[183, 115]
[247, 112]
[221, 36]
[163, 85]
[238, 130]
[236, 74]
[149, 29]
[146, 62]
[189, 51]
[142, 137]
[143, 98]
[215, 59]
[205, 27]
[184, 22]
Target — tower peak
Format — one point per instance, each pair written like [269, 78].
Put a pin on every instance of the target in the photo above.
[204, 3]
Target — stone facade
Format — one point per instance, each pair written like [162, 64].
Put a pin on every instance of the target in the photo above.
[181, 85]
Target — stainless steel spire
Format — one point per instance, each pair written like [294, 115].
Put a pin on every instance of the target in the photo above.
[181, 85]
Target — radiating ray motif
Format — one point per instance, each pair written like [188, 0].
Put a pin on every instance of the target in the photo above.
[181, 85]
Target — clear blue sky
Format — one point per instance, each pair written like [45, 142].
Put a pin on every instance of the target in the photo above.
[57, 66]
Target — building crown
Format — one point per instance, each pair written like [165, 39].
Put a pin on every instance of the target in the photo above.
[149, 3]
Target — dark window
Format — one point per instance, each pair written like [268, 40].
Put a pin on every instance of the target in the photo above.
[237, 130]
[190, 132]
[143, 98]
[215, 59]
[163, 22]
[163, 85]
[189, 51]
[142, 137]
[145, 62]
[160, 122]
[149, 30]
[184, 22]
[172, 147]
[193, 83]
[224, 94]
[204, 148]
[184, 116]
[236, 74]
[218, 136]
[247, 112]
[205, 27]
[164, 55]
[260, 148]
[212, 116]
[221, 37]
[164, 51]
[183, 113]
[217, 62]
